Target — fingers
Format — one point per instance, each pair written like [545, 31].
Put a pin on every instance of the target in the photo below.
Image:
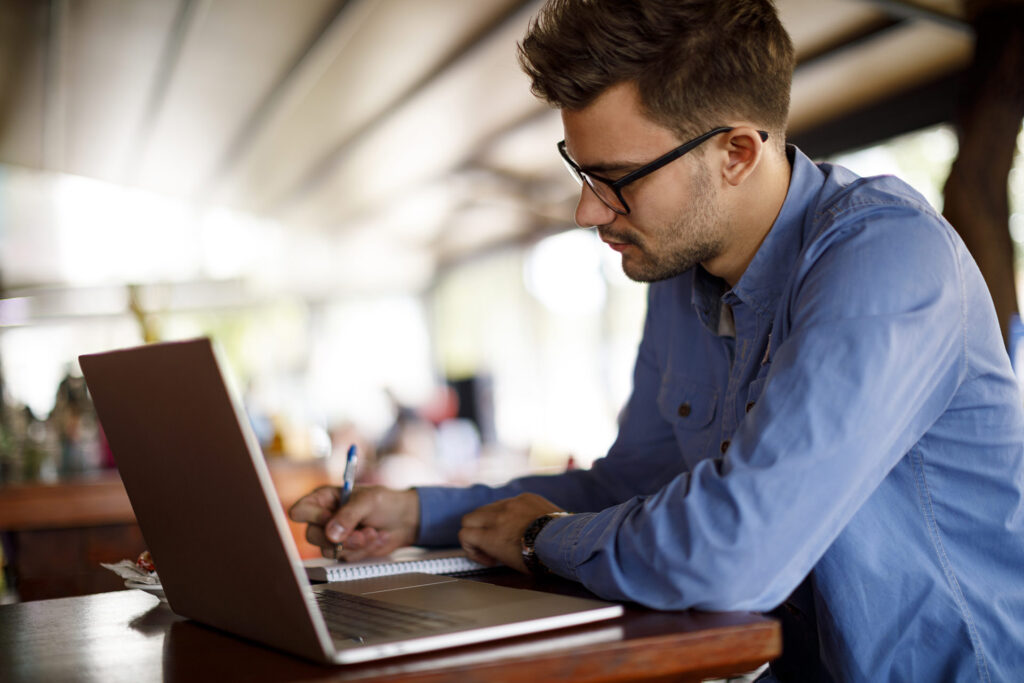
[345, 521]
[493, 533]
[375, 521]
[480, 556]
[467, 539]
[365, 538]
[315, 535]
[367, 542]
[315, 507]
[329, 525]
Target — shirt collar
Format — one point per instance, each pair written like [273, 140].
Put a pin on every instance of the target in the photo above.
[762, 282]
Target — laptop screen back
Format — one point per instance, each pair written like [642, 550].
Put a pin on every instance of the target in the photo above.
[201, 493]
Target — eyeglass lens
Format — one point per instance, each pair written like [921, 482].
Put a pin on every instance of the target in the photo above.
[605, 193]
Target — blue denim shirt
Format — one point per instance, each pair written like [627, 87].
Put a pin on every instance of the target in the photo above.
[860, 436]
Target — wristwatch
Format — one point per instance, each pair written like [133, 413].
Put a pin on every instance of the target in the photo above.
[530, 558]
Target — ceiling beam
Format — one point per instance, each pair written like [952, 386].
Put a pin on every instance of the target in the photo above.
[909, 9]
[856, 38]
[54, 86]
[906, 111]
[339, 25]
[188, 16]
[322, 168]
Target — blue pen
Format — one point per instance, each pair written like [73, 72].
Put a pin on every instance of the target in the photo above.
[350, 474]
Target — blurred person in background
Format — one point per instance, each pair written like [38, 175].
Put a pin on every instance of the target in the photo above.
[407, 451]
[824, 423]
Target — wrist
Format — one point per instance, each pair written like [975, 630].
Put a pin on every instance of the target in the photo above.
[529, 541]
[410, 517]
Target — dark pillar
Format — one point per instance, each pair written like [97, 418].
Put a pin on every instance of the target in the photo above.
[988, 121]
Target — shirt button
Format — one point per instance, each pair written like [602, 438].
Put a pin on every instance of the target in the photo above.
[750, 406]
[725, 445]
[684, 409]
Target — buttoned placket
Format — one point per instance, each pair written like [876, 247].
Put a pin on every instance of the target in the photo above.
[749, 348]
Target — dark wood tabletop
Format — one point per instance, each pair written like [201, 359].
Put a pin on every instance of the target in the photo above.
[130, 635]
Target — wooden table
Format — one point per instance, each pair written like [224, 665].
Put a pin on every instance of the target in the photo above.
[130, 635]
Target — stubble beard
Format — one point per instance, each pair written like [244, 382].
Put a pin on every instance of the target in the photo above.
[691, 238]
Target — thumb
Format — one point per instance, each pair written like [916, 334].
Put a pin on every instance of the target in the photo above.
[348, 517]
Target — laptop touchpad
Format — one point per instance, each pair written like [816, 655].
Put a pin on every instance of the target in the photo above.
[434, 593]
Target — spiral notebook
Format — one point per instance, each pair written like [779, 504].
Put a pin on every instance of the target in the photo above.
[448, 562]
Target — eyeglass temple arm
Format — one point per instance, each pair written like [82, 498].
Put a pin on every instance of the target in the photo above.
[673, 155]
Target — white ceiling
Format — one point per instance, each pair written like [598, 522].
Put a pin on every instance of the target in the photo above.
[366, 143]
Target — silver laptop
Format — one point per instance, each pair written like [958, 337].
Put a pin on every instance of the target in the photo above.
[208, 510]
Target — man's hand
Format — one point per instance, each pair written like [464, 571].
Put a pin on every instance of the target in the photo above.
[493, 533]
[375, 521]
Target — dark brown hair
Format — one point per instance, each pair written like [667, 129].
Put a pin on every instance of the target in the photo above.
[695, 63]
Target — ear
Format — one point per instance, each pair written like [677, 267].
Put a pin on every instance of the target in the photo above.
[744, 148]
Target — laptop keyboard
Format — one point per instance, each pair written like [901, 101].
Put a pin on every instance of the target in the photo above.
[353, 617]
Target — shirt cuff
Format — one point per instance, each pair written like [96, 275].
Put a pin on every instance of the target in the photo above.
[556, 542]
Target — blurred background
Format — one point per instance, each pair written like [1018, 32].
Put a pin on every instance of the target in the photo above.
[361, 201]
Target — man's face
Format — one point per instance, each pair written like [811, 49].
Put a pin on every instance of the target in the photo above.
[674, 220]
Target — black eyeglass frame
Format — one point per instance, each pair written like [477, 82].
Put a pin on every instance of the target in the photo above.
[631, 177]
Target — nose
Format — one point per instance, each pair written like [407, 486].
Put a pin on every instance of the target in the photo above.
[591, 211]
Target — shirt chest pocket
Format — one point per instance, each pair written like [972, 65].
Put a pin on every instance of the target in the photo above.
[687, 405]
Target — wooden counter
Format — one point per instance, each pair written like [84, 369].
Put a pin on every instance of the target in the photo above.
[56, 534]
[88, 500]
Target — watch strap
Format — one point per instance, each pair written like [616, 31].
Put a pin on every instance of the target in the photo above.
[530, 558]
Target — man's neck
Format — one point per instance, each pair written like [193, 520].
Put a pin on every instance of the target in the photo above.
[759, 201]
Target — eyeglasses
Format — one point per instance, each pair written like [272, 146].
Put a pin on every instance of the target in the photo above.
[610, 191]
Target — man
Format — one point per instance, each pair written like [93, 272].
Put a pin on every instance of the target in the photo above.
[823, 418]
